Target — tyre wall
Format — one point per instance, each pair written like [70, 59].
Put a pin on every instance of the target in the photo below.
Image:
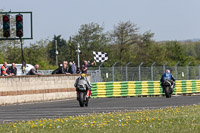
[141, 88]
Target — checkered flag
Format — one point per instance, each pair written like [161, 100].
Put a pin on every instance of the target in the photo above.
[100, 56]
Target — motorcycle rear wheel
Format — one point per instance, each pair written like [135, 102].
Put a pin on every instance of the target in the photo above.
[167, 92]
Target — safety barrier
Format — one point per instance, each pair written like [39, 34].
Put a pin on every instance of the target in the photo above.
[141, 88]
[37, 88]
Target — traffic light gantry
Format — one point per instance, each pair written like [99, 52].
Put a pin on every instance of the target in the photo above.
[12, 27]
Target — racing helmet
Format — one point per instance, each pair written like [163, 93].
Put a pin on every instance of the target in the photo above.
[168, 71]
[83, 75]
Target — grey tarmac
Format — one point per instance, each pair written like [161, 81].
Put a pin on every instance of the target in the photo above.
[62, 108]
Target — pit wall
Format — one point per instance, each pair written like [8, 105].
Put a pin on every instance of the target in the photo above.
[141, 88]
[22, 89]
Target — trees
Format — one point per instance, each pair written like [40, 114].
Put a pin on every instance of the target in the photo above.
[38, 54]
[123, 36]
[91, 38]
[148, 51]
[61, 47]
[174, 52]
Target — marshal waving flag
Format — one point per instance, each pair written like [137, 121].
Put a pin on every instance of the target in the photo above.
[100, 56]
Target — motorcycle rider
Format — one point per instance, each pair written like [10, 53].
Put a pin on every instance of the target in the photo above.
[167, 77]
[83, 80]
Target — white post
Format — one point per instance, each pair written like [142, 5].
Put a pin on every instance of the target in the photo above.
[188, 70]
[113, 71]
[164, 67]
[152, 70]
[100, 80]
[140, 70]
[199, 71]
[176, 69]
[127, 71]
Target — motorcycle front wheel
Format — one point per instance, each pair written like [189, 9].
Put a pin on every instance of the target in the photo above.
[81, 99]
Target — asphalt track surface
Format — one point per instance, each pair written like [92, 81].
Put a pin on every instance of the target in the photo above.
[64, 108]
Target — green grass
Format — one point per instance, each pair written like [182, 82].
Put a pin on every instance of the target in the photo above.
[172, 120]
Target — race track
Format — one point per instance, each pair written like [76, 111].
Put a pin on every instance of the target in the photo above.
[71, 107]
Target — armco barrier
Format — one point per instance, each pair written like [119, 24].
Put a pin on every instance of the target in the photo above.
[141, 88]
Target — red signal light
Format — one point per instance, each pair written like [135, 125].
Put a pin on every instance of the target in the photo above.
[18, 18]
[5, 18]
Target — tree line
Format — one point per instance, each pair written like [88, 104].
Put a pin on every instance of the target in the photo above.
[123, 44]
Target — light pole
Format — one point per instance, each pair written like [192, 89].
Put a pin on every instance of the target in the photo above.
[56, 43]
[22, 53]
[78, 52]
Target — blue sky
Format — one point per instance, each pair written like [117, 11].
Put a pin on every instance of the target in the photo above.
[168, 19]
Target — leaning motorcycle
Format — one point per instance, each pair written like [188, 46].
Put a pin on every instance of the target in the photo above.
[168, 90]
[82, 95]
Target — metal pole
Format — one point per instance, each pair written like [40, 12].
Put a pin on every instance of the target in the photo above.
[70, 47]
[78, 52]
[31, 25]
[164, 66]
[56, 43]
[113, 71]
[100, 72]
[152, 70]
[199, 71]
[23, 60]
[140, 71]
[188, 70]
[176, 68]
[127, 71]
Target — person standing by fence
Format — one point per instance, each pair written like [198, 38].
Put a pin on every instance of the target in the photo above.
[86, 65]
[4, 69]
[34, 71]
[12, 70]
[72, 68]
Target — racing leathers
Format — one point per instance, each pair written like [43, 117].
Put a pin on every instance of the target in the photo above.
[168, 77]
[83, 81]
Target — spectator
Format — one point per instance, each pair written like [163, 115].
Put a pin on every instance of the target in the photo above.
[4, 69]
[72, 68]
[12, 70]
[85, 66]
[34, 71]
[62, 69]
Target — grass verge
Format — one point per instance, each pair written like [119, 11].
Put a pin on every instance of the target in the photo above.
[173, 119]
